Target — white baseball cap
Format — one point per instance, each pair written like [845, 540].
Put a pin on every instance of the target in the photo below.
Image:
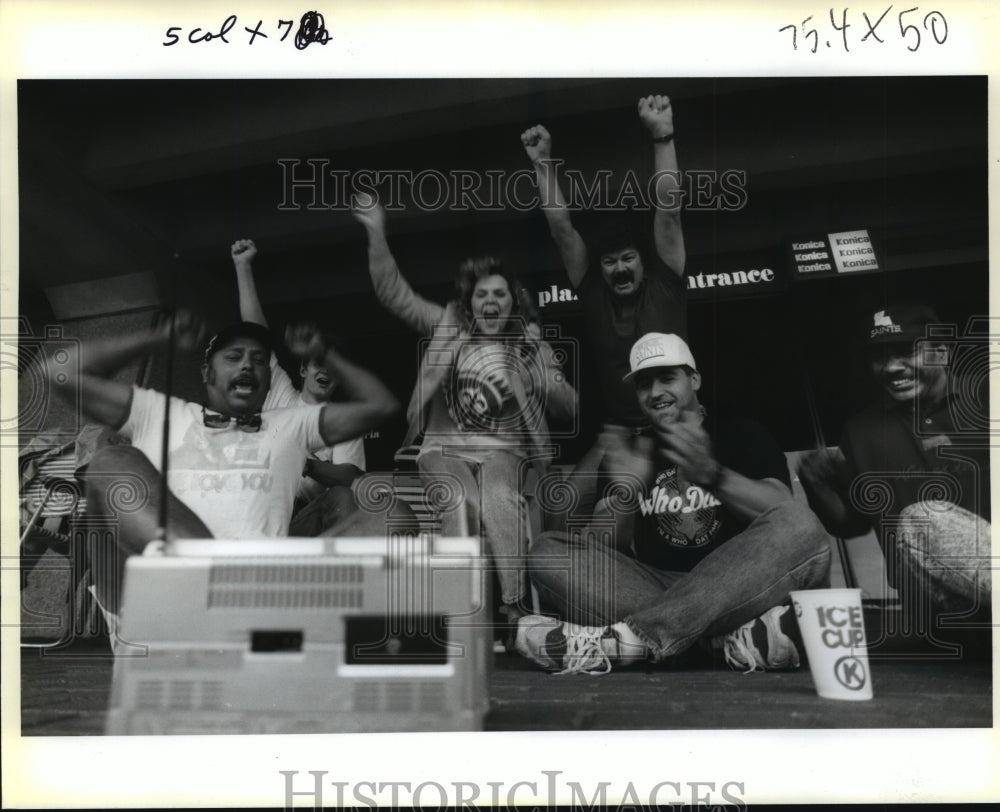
[659, 350]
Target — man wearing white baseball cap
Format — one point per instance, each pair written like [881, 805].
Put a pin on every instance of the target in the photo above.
[697, 539]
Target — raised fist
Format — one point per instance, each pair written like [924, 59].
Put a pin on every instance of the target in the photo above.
[657, 114]
[305, 341]
[243, 251]
[537, 143]
[368, 211]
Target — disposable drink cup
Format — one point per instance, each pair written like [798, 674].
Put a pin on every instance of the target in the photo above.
[833, 631]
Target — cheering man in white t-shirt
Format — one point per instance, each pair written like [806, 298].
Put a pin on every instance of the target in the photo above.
[233, 468]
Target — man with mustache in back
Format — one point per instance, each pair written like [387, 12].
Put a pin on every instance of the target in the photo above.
[628, 291]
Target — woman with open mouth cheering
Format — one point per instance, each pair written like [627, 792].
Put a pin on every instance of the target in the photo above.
[485, 385]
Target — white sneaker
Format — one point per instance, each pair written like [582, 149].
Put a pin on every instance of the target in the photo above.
[569, 648]
[760, 645]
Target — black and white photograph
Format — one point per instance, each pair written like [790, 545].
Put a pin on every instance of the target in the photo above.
[519, 410]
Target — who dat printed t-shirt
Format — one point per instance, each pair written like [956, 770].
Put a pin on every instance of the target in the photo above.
[660, 306]
[240, 484]
[679, 523]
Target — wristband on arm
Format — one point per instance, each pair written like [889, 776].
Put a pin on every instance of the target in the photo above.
[713, 484]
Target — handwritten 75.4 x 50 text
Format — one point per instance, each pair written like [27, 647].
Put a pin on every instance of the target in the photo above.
[933, 23]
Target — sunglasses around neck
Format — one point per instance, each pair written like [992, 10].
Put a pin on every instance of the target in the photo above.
[214, 420]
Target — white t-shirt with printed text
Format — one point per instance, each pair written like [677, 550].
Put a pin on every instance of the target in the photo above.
[240, 484]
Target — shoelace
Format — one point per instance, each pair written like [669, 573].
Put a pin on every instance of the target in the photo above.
[585, 654]
[740, 650]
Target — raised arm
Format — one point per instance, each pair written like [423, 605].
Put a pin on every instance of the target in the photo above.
[572, 249]
[282, 392]
[392, 290]
[657, 115]
[243, 253]
[87, 376]
[366, 403]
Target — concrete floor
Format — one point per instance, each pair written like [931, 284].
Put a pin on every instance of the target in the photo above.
[67, 695]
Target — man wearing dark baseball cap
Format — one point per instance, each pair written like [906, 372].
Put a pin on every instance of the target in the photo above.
[241, 329]
[924, 450]
[244, 394]
[890, 338]
[697, 539]
[233, 470]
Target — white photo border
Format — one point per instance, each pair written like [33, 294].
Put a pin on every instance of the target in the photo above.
[105, 39]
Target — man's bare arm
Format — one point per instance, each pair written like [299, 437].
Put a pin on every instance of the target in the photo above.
[87, 377]
[747, 498]
[687, 445]
[657, 115]
[243, 253]
[572, 249]
[366, 401]
[825, 479]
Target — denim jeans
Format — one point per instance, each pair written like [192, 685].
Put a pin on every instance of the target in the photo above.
[591, 582]
[491, 500]
[941, 553]
[322, 511]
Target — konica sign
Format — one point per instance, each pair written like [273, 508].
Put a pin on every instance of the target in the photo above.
[839, 253]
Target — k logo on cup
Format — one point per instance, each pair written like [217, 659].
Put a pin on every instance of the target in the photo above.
[850, 672]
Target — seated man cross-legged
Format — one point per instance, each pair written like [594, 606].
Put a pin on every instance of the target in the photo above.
[705, 540]
[924, 448]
